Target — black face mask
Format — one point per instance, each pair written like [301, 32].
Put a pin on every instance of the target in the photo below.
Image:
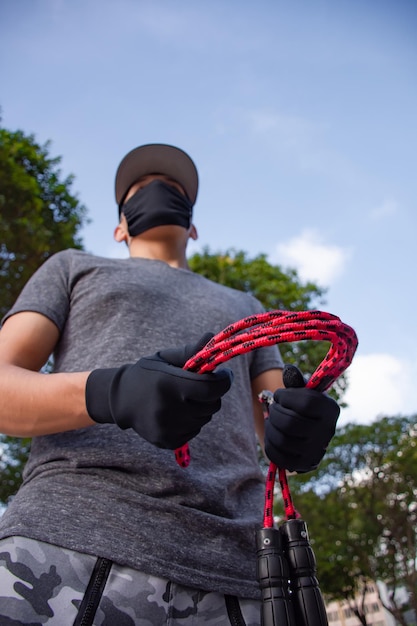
[156, 204]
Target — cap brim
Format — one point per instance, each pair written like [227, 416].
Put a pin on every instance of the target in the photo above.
[156, 159]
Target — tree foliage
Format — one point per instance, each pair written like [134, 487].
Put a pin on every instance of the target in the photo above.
[361, 509]
[39, 215]
[13, 456]
[276, 290]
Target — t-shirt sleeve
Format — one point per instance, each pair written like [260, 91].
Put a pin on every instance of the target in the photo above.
[47, 291]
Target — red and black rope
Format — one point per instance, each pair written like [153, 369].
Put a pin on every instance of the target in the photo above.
[265, 329]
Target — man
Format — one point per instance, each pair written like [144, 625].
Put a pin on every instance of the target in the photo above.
[107, 528]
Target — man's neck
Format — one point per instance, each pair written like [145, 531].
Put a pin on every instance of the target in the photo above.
[171, 253]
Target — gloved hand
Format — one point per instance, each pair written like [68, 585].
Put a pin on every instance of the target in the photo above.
[163, 403]
[300, 425]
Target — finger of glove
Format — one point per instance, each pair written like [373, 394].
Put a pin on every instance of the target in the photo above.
[292, 377]
[200, 388]
[179, 356]
[293, 453]
[173, 429]
[303, 431]
[294, 462]
[165, 409]
[180, 402]
[308, 402]
[301, 427]
[282, 458]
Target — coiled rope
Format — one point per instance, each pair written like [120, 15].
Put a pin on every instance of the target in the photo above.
[265, 329]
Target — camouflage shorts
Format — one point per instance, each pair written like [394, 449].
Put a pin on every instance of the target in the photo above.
[44, 584]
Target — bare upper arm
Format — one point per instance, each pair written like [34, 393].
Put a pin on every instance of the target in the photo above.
[269, 380]
[27, 339]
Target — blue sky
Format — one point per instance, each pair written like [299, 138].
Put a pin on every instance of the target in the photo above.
[300, 116]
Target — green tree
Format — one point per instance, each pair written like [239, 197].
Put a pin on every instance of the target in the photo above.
[277, 290]
[360, 506]
[39, 215]
[13, 456]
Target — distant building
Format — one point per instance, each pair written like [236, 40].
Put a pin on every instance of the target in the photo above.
[339, 613]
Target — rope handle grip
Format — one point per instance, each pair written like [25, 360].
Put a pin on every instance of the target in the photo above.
[273, 327]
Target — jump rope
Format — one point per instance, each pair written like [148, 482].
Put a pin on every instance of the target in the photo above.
[286, 565]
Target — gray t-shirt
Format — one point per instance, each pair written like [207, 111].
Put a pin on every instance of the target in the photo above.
[108, 492]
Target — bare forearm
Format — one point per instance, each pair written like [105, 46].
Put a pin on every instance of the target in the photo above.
[40, 404]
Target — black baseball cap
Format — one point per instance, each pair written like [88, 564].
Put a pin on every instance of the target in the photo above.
[156, 158]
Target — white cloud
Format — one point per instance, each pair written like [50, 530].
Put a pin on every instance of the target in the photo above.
[379, 384]
[312, 258]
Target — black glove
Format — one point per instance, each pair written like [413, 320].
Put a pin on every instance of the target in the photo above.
[163, 403]
[300, 425]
